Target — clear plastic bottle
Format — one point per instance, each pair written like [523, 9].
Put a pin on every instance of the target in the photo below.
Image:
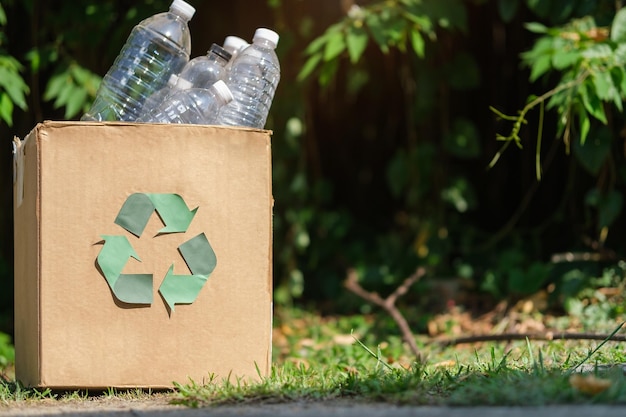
[192, 106]
[234, 45]
[156, 48]
[253, 79]
[174, 84]
[203, 71]
[157, 97]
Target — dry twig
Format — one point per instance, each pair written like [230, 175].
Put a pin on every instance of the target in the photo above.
[389, 304]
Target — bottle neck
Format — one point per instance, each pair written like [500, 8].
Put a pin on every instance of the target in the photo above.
[264, 43]
[178, 14]
[218, 59]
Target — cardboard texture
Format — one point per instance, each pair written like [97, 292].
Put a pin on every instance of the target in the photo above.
[71, 181]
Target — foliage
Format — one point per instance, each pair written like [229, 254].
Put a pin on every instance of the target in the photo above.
[7, 352]
[594, 301]
[590, 61]
[434, 203]
[398, 24]
[13, 89]
[57, 54]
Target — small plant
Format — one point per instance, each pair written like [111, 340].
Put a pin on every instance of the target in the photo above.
[591, 62]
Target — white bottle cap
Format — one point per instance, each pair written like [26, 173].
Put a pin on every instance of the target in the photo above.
[185, 9]
[234, 44]
[183, 84]
[172, 80]
[223, 90]
[267, 34]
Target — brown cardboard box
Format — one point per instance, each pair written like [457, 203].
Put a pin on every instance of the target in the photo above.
[71, 181]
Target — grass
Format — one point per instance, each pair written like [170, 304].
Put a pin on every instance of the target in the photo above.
[322, 362]
[339, 358]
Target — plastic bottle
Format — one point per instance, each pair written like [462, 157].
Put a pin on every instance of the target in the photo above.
[253, 79]
[156, 48]
[157, 97]
[192, 106]
[174, 84]
[203, 71]
[234, 45]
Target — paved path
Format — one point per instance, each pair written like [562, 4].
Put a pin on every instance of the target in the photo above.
[331, 409]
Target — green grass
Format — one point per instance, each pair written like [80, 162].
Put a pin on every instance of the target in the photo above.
[345, 358]
[327, 367]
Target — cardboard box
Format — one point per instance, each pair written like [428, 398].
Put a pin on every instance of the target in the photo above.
[90, 315]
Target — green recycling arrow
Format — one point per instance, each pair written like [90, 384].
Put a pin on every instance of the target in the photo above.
[117, 250]
[138, 208]
[184, 289]
[128, 288]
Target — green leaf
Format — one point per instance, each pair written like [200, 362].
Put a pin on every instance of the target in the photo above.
[417, 42]
[3, 16]
[6, 109]
[592, 102]
[309, 66]
[75, 102]
[594, 152]
[56, 83]
[584, 124]
[13, 84]
[507, 9]
[327, 72]
[618, 28]
[603, 84]
[563, 59]
[598, 51]
[542, 46]
[536, 27]
[34, 57]
[317, 44]
[356, 41]
[617, 77]
[63, 97]
[377, 29]
[539, 67]
[335, 45]
[619, 54]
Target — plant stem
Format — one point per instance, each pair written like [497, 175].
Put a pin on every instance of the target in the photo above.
[389, 304]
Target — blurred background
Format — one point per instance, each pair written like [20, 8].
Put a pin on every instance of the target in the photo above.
[385, 128]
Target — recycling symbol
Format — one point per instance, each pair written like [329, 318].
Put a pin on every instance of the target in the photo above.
[117, 251]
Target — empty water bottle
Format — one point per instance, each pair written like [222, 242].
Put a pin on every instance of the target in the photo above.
[253, 79]
[173, 84]
[156, 48]
[234, 45]
[192, 106]
[203, 71]
[157, 97]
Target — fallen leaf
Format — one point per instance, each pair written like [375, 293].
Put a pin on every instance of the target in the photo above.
[445, 364]
[589, 384]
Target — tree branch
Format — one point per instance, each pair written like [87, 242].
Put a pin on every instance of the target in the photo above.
[389, 304]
